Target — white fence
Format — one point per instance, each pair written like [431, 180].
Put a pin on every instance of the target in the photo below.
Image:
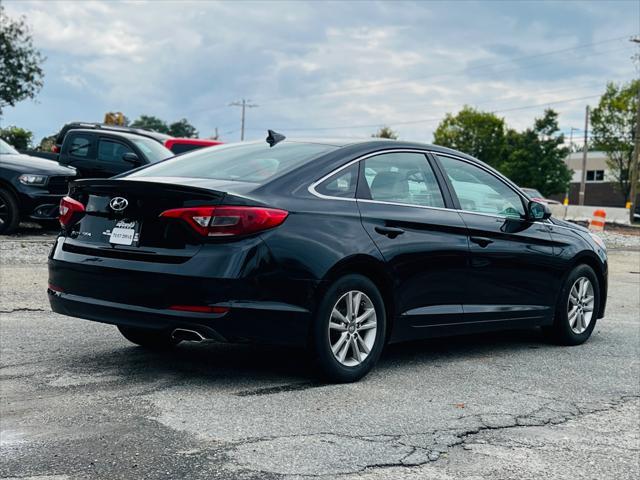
[579, 213]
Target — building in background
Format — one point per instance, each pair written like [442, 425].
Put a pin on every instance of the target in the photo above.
[600, 188]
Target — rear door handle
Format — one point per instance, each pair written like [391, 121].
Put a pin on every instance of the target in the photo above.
[390, 232]
[482, 241]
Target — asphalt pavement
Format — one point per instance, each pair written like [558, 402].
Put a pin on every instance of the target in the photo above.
[78, 401]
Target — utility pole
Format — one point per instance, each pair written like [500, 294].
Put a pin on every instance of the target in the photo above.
[566, 195]
[585, 149]
[635, 159]
[244, 103]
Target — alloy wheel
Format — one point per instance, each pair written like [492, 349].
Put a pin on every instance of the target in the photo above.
[580, 305]
[352, 328]
[4, 212]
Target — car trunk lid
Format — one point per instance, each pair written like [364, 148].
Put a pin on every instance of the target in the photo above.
[122, 219]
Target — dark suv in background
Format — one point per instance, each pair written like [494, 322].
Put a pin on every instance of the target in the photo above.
[30, 188]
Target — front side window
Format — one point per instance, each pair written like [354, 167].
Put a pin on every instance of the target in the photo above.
[112, 152]
[480, 191]
[80, 146]
[342, 184]
[151, 149]
[402, 177]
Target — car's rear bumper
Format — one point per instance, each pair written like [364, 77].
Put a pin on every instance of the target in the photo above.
[263, 322]
[264, 305]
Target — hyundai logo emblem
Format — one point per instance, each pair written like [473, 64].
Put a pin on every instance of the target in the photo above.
[118, 203]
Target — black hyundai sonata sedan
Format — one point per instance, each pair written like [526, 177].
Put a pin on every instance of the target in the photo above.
[340, 247]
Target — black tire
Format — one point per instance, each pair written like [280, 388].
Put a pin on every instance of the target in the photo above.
[331, 369]
[151, 339]
[561, 331]
[9, 212]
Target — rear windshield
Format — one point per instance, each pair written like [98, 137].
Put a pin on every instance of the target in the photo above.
[246, 162]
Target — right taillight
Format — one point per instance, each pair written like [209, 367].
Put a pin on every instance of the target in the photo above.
[70, 211]
[228, 221]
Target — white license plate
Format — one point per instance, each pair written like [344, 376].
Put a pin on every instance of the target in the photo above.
[123, 233]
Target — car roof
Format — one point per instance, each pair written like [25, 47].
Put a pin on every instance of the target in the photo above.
[159, 137]
[384, 143]
[116, 133]
[364, 146]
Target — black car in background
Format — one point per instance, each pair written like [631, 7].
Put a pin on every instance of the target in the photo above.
[98, 153]
[339, 247]
[30, 188]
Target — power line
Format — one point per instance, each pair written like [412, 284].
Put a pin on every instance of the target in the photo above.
[445, 74]
[433, 119]
[434, 75]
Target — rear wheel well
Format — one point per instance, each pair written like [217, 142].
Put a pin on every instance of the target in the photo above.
[373, 270]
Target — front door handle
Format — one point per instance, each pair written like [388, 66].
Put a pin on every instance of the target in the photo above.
[390, 232]
[482, 241]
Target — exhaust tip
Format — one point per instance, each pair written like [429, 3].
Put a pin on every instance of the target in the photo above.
[187, 335]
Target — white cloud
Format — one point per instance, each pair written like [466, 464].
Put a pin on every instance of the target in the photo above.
[320, 64]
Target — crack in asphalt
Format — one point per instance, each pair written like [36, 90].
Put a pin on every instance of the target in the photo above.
[24, 309]
[442, 440]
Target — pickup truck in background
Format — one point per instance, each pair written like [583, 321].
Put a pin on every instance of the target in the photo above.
[175, 144]
[102, 153]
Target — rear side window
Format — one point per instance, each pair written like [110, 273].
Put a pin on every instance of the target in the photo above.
[248, 162]
[402, 178]
[480, 191]
[79, 146]
[342, 184]
[112, 152]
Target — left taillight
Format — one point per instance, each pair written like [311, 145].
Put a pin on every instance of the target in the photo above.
[70, 211]
[228, 221]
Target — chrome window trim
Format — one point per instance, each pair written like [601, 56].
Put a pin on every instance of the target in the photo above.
[312, 187]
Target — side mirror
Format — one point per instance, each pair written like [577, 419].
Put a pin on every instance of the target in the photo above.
[131, 158]
[538, 211]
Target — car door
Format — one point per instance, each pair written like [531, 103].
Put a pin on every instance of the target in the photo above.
[510, 273]
[109, 157]
[79, 152]
[404, 210]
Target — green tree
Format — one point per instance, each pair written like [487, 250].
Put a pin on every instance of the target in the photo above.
[480, 134]
[386, 132]
[535, 157]
[182, 128]
[21, 75]
[18, 137]
[149, 122]
[613, 124]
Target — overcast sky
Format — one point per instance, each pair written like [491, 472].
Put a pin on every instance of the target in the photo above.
[320, 68]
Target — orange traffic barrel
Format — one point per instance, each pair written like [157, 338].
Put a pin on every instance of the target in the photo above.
[597, 222]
